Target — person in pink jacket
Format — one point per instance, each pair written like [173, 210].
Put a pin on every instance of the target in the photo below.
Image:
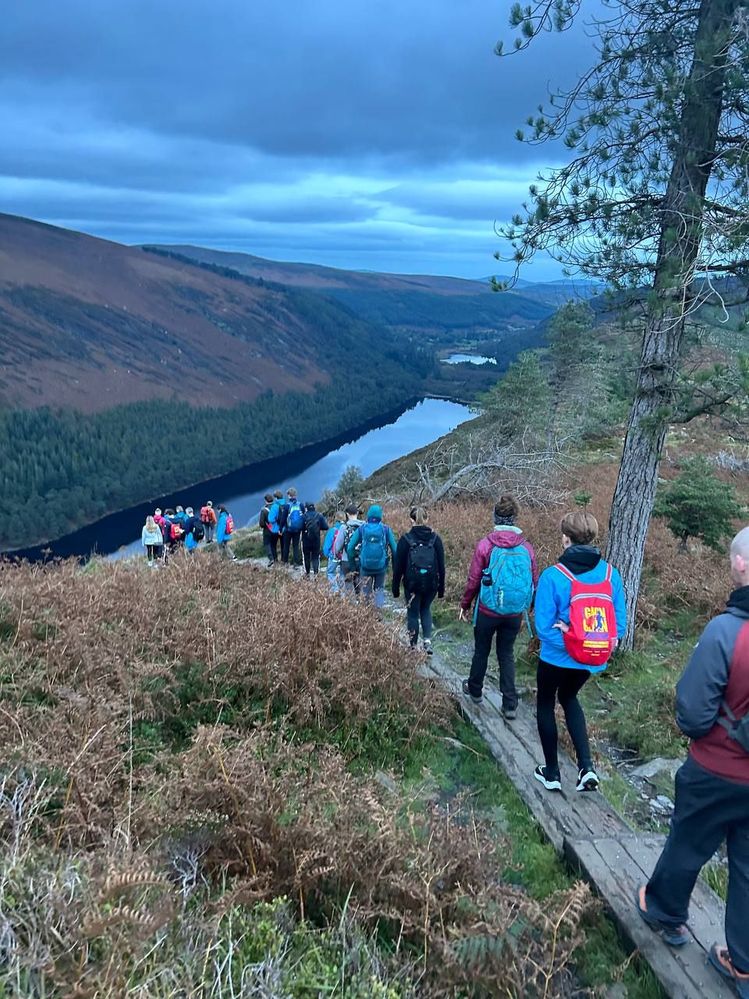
[488, 620]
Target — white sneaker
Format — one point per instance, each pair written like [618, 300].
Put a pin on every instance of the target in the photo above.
[428, 646]
[551, 783]
[587, 780]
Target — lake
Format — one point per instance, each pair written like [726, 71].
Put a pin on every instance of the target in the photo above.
[311, 469]
[468, 359]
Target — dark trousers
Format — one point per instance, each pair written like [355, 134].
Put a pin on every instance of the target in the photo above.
[270, 544]
[289, 538]
[506, 629]
[151, 552]
[311, 556]
[559, 682]
[709, 810]
[419, 611]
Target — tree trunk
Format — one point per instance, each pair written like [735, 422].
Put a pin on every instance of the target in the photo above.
[680, 236]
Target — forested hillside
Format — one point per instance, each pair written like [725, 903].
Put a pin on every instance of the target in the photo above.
[127, 375]
[430, 305]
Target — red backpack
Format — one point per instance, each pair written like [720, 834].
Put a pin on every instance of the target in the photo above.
[229, 525]
[592, 634]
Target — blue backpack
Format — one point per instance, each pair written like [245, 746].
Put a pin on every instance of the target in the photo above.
[274, 515]
[373, 556]
[507, 582]
[295, 519]
[327, 545]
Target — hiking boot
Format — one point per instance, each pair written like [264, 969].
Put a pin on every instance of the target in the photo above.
[509, 714]
[721, 961]
[674, 936]
[428, 647]
[470, 696]
[551, 782]
[587, 779]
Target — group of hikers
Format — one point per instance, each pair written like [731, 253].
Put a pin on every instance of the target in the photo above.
[166, 532]
[580, 615]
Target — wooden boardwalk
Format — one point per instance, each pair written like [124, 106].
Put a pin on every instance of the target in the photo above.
[600, 844]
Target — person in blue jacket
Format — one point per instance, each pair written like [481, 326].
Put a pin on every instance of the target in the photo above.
[368, 550]
[559, 675]
[222, 537]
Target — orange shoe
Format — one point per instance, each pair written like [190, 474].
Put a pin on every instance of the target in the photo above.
[674, 936]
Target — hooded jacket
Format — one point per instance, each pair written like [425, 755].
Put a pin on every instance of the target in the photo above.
[424, 534]
[503, 536]
[374, 516]
[151, 537]
[553, 602]
[718, 670]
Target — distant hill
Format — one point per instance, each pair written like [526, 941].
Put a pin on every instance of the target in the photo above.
[90, 324]
[438, 305]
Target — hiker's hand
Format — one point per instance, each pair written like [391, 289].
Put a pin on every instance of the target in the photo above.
[462, 615]
[563, 627]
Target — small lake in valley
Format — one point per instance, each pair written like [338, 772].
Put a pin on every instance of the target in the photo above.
[311, 469]
[468, 359]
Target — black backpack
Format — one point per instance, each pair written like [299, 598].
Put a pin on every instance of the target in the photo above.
[198, 531]
[421, 565]
[312, 526]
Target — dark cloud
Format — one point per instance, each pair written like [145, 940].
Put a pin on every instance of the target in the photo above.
[223, 120]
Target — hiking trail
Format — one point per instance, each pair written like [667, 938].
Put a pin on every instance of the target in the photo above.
[597, 841]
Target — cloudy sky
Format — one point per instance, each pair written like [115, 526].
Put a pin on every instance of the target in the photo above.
[371, 134]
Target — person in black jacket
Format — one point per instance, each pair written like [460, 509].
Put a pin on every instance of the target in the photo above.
[420, 564]
[314, 524]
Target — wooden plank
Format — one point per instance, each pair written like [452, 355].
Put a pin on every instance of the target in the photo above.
[706, 911]
[607, 864]
[515, 746]
[597, 840]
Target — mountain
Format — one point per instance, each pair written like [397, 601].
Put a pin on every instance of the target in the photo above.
[90, 324]
[440, 307]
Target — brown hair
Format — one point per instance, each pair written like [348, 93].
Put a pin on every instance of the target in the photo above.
[506, 509]
[580, 527]
[419, 514]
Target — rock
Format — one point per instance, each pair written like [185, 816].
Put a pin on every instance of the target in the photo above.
[662, 805]
[659, 765]
[617, 991]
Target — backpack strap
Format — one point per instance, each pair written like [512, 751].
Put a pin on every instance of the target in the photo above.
[608, 572]
[565, 571]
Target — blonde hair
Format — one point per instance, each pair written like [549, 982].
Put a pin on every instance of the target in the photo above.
[150, 524]
[580, 527]
[419, 514]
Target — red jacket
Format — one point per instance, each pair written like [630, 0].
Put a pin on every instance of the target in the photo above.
[506, 538]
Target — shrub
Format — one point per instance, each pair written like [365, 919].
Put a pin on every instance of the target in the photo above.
[698, 505]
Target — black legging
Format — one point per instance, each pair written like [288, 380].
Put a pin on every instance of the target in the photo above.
[553, 682]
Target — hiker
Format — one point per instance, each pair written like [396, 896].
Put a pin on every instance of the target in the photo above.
[314, 524]
[174, 531]
[152, 540]
[420, 563]
[501, 580]
[161, 523]
[181, 517]
[275, 526]
[348, 571]
[293, 522]
[224, 530]
[571, 649]
[208, 519]
[270, 540]
[328, 550]
[368, 551]
[712, 786]
[194, 530]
